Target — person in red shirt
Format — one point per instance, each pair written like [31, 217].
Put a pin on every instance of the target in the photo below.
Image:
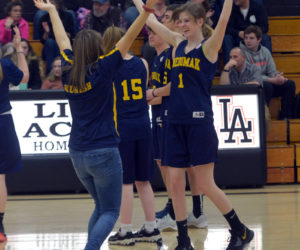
[53, 80]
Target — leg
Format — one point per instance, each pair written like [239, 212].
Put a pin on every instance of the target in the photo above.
[3, 199]
[268, 92]
[50, 52]
[241, 235]
[147, 199]
[287, 93]
[37, 26]
[196, 218]
[127, 204]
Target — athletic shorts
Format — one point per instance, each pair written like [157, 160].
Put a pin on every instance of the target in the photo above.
[164, 143]
[137, 160]
[10, 154]
[191, 145]
[157, 140]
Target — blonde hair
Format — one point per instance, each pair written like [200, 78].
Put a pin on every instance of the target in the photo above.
[110, 37]
[51, 76]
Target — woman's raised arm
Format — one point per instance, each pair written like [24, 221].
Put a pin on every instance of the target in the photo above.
[214, 43]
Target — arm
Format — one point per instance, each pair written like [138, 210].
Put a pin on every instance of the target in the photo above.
[169, 36]
[126, 41]
[162, 91]
[212, 46]
[147, 70]
[224, 79]
[155, 101]
[22, 63]
[60, 34]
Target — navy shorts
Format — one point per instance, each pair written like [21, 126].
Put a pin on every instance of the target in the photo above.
[164, 143]
[10, 154]
[157, 140]
[191, 145]
[137, 160]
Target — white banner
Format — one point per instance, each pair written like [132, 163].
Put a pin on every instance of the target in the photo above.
[43, 127]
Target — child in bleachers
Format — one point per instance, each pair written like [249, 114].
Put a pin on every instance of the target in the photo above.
[53, 80]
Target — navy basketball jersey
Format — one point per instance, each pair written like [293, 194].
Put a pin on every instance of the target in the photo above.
[132, 109]
[167, 79]
[157, 80]
[191, 76]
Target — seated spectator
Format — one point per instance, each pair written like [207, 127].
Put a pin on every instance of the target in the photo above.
[53, 80]
[35, 66]
[13, 11]
[209, 11]
[238, 71]
[102, 16]
[245, 13]
[50, 50]
[274, 83]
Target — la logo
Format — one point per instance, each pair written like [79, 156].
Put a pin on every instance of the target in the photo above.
[235, 122]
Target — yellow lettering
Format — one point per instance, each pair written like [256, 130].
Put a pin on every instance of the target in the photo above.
[197, 62]
[186, 61]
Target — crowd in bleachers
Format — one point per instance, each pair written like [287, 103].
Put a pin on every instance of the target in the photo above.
[122, 13]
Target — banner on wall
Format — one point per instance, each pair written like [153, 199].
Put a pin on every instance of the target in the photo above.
[44, 126]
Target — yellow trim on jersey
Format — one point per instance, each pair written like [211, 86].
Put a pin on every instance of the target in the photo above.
[110, 53]
[115, 109]
[66, 57]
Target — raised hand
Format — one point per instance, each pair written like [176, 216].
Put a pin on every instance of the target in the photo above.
[17, 38]
[46, 6]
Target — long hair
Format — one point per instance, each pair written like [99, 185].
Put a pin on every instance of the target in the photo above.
[87, 48]
[51, 76]
[9, 52]
[197, 11]
[110, 37]
[31, 56]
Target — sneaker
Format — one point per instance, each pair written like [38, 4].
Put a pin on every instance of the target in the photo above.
[166, 223]
[3, 237]
[163, 212]
[184, 245]
[118, 239]
[144, 236]
[239, 240]
[200, 222]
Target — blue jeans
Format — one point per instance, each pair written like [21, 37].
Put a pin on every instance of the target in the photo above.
[100, 171]
[49, 53]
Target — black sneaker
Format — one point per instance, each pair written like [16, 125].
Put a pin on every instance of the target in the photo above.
[126, 240]
[143, 236]
[163, 212]
[239, 240]
[184, 245]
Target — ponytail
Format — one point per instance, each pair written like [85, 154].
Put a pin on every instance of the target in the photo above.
[207, 31]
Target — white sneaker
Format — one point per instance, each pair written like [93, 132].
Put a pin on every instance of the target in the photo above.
[166, 223]
[200, 222]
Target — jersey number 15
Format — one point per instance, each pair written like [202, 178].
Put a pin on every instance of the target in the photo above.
[138, 91]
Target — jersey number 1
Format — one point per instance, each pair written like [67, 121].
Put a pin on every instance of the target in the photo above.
[180, 85]
[134, 87]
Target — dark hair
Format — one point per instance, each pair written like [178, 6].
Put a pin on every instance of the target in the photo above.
[59, 4]
[254, 29]
[172, 7]
[12, 4]
[197, 11]
[87, 47]
[110, 37]
[240, 49]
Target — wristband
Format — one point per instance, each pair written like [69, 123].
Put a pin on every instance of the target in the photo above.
[153, 93]
[225, 70]
[148, 9]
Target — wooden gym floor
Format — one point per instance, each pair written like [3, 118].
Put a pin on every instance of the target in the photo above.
[59, 222]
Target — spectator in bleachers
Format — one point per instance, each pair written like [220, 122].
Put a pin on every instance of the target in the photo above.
[102, 16]
[53, 80]
[13, 11]
[245, 13]
[35, 66]
[50, 50]
[238, 71]
[274, 83]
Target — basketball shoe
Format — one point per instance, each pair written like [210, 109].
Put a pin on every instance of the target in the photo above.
[239, 240]
[200, 222]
